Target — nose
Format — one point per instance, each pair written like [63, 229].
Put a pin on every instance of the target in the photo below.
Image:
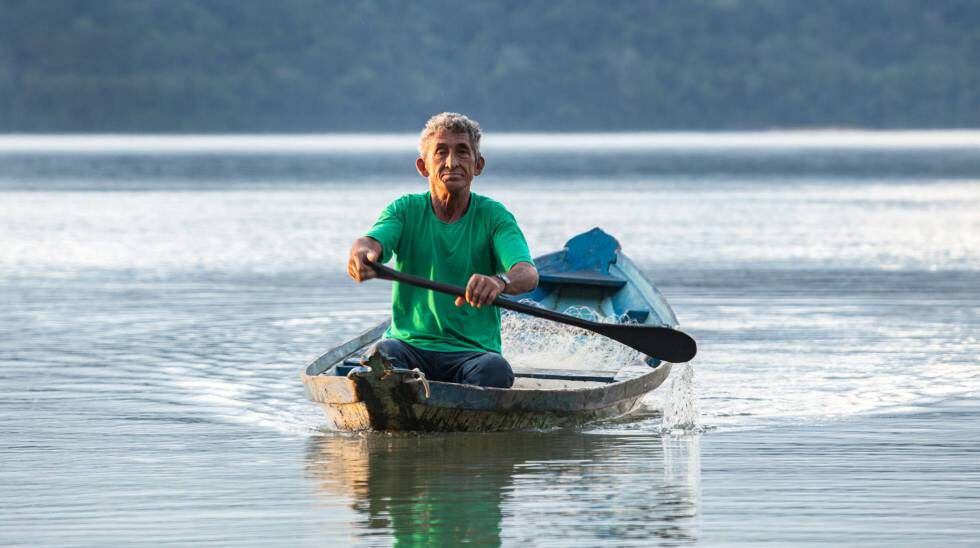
[450, 159]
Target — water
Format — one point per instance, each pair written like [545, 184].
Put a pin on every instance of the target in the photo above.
[158, 306]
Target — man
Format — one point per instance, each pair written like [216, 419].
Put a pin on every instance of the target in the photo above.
[452, 235]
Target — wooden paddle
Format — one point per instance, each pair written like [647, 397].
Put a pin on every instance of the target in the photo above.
[664, 343]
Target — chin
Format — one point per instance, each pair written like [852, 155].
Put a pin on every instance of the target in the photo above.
[456, 185]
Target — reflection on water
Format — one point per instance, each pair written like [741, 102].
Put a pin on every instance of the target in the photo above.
[445, 489]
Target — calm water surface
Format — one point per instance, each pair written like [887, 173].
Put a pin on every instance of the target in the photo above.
[156, 309]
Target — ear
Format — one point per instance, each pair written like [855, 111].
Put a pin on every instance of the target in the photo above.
[420, 167]
[481, 162]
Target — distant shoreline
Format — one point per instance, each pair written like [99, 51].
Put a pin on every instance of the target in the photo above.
[325, 143]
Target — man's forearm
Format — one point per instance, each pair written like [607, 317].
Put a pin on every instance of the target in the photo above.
[523, 278]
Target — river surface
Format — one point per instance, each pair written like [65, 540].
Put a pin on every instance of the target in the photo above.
[159, 298]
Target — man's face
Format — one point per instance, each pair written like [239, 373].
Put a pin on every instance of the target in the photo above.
[449, 161]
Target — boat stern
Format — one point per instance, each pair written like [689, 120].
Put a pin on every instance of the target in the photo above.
[374, 395]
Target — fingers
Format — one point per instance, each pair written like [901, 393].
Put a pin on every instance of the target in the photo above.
[481, 290]
[357, 269]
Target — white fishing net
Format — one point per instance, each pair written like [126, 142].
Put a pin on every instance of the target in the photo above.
[533, 343]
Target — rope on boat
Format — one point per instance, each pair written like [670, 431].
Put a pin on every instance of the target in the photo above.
[357, 371]
[419, 376]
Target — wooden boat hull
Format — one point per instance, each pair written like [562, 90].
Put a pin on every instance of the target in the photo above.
[428, 418]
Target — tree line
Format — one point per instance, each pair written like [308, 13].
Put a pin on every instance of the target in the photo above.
[530, 65]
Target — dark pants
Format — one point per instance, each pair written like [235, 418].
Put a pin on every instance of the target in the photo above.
[479, 368]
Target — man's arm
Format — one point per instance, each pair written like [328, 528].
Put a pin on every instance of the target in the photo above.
[482, 290]
[523, 278]
[363, 248]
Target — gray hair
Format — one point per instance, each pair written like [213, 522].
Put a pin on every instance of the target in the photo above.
[455, 123]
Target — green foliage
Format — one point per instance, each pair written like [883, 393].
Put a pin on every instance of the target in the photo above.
[304, 65]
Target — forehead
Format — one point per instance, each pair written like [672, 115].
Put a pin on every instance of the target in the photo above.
[448, 138]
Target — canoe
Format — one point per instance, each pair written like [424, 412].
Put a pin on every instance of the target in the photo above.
[359, 390]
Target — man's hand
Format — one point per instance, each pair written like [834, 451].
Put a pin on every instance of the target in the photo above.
[364, 249]
[481, 290]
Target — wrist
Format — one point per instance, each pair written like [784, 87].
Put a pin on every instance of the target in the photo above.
[504, 281]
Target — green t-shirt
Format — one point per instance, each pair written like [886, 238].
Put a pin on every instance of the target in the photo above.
[485, 240]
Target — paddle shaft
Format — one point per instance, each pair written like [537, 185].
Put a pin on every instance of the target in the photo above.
[390, 274]
[660, 342]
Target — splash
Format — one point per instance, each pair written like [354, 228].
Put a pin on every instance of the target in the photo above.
[680, 403]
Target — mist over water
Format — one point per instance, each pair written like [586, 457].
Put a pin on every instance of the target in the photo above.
[157, 309]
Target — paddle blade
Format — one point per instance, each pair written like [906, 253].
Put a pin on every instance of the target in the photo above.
[664, 343]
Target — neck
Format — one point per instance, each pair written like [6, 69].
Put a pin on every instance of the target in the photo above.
[449, 207]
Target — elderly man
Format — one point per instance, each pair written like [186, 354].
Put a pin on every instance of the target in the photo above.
[456, 236]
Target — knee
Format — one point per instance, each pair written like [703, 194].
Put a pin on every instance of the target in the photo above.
[490, 370]
[394, 351]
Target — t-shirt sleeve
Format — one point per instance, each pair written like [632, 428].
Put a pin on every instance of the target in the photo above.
[509, 245]
[387, 230]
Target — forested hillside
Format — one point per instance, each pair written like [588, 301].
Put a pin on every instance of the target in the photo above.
[304, 65]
